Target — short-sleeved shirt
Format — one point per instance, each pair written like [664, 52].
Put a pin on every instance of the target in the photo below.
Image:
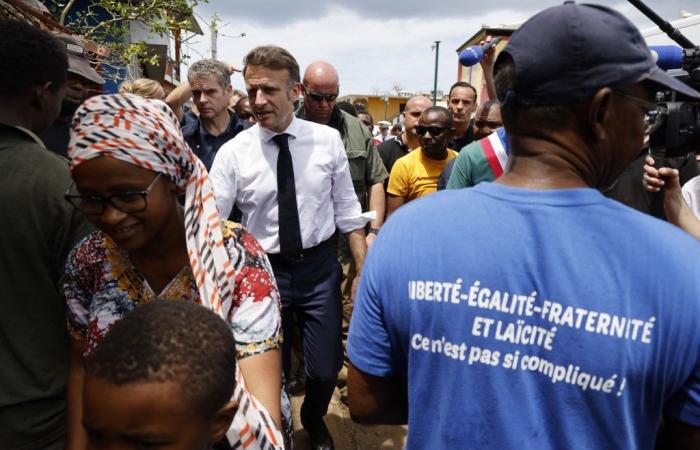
[547, 320]
[415, 175]
[101, 286]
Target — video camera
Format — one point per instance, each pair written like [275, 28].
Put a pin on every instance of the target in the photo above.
[680, 131]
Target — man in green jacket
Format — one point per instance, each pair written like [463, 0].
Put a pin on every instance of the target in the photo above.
[321, 87]
[39, 228]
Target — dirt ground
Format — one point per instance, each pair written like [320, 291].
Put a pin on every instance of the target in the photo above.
[348, 435]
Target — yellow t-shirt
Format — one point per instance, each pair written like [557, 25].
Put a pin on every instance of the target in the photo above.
[415, 175]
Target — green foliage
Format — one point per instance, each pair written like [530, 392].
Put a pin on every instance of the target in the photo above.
[105, 22]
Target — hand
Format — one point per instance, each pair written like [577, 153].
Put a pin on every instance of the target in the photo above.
[489, 56]
[652, 179]
[369, 239]
[353, 288]
[232, 69]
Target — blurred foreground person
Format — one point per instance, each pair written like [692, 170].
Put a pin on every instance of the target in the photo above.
[130, 166]
[163, 377]
[38, 231]
[538, 291]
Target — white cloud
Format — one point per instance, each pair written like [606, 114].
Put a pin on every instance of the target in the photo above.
[370, 52]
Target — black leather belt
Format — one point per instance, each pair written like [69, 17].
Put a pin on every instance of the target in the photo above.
[331, 242]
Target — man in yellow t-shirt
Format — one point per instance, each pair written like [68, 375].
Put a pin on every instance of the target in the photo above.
[416, 174]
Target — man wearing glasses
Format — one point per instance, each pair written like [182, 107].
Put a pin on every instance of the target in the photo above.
[416, 174]
[538, 291]
[321, 87]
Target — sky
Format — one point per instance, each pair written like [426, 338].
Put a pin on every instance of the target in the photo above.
[376, 45]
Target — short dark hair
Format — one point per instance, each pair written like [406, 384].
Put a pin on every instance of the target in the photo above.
[171, 340]
[442, 110]
[348, 108]
[273, 58]
[30, 57]
[371, 119]
[519, 119]
[462, 84]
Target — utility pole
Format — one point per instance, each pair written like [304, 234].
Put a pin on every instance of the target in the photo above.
[214, 34]
[437, 55]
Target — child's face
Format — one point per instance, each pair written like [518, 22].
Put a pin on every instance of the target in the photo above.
[135, 416]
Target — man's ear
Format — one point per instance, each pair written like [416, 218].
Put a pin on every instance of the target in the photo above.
[296, 91]
[600, 113]
[222, 421]
[41, 95]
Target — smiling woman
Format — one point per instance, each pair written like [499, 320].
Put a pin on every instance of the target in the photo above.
[130, 165]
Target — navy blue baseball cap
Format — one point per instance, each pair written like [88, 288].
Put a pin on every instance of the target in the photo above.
[570, 51]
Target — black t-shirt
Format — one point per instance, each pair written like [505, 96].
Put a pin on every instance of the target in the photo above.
[457, 144]
[390, 151]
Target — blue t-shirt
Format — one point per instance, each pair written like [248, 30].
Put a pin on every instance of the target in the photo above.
[532, 319]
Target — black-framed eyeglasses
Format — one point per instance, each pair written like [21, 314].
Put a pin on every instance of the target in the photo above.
[318, 97]
[127, 202]
[434, 131]
[654, 113]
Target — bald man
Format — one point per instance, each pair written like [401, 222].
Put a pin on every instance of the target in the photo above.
[399, 146]
[321, 87]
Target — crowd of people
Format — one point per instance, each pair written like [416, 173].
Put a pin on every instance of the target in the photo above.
[166, 267]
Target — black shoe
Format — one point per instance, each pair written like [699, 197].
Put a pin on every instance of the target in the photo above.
[319, 436]
[297, 384]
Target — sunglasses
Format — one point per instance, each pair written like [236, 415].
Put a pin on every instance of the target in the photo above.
[434, 131]
[654, 113]
[318, 97]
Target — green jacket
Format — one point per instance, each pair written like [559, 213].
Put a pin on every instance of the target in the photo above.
[366, 167]
[39, 228]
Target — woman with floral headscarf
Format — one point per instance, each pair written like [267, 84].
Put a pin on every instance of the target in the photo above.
[130, 167]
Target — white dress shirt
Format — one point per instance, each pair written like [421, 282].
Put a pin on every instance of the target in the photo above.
[244, 173]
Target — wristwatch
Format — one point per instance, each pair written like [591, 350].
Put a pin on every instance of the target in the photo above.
[373, 230]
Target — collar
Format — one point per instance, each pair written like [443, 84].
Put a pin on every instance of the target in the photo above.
[233, 124]
[337, 121]
[28, 132]
[293, 130]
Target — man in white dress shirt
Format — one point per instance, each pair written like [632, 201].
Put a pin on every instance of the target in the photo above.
[290, 178]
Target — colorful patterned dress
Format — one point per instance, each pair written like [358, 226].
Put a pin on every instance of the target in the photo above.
[101, 285]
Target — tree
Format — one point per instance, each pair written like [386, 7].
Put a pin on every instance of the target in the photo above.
[108, 23]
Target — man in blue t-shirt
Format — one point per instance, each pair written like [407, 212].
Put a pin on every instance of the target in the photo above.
[540, 315]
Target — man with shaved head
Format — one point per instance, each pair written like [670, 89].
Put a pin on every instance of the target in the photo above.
[399, 146]
[321, 86]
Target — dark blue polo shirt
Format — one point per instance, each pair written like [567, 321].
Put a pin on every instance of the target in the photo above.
[203, 144]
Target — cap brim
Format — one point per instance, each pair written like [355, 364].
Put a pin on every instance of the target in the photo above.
[80, 66]
[670, 82]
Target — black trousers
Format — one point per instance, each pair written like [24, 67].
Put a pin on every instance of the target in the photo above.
[310, 290]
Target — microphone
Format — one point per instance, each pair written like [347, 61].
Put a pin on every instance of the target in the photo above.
[667, 57]
[475, 53]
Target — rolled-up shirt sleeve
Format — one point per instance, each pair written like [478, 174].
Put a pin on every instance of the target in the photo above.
[223, 176]
[346, 208]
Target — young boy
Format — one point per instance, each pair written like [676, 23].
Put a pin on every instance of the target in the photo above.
[162, 378]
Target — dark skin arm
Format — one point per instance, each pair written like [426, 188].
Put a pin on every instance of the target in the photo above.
[377, 400]
[393, 202]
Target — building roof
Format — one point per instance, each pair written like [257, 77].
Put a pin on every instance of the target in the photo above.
[489, 30]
